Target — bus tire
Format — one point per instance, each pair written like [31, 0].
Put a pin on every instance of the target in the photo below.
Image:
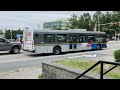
[57, 50]
[98, 47]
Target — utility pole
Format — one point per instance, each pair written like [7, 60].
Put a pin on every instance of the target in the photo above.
[114, 31]
[98, 22]
[11, 35]
[115, 35]
[111, 23]
[38, 26]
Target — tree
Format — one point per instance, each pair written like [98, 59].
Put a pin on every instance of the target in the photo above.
[97, 18]
[83, 22]
[14, 33]
[116, 18]
[57, 27]
[86, 21]
[1, 32]
[7, 34]
[73, 22]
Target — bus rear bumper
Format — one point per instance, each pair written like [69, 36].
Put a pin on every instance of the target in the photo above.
[94, 46]
[32, 51]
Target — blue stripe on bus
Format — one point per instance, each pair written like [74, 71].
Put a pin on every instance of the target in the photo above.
[103, 46]
[94, 46]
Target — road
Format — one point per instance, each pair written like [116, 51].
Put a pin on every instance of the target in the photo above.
[24, 59]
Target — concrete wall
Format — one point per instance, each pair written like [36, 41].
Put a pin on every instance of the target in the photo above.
[58, 71]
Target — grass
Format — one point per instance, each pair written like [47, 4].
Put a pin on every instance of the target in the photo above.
[40, 76]
[39, 67]
[85, 64]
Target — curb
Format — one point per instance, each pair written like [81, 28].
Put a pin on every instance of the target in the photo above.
[113, 42]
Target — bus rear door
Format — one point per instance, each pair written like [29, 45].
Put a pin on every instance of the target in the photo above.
[73, 42]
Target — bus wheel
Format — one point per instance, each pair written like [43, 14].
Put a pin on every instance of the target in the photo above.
[98, 47]
[57, 50]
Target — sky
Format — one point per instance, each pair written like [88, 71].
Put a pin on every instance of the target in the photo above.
[31, 19]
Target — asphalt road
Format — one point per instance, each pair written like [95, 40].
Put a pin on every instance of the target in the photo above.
[10, 62]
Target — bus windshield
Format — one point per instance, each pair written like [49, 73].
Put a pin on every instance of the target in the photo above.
[101, 38]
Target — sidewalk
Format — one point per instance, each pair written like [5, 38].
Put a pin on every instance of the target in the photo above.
[22, 73]
[113, 42]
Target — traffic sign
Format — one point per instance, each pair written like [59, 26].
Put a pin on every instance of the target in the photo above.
[17, 35]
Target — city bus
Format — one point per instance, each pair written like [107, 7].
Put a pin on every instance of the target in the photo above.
[57, 41]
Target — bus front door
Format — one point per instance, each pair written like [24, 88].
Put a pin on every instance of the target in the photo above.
[73, 43]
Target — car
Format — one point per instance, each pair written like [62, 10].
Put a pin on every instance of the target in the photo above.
[12, 47]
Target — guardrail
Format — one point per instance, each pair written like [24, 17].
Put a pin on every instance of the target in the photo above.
[101, 68]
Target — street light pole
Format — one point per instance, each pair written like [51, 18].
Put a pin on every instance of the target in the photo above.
[115, 35]
[115, 32]
[38, 26]
[11, 35]
[98, 23]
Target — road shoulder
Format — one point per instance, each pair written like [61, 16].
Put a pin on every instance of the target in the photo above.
[22, 73]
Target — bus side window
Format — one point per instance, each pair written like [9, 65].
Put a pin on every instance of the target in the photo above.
[91, 38]
[97, 39]
[82, 39]
[61, 38]
[49, 38]
[36, 35]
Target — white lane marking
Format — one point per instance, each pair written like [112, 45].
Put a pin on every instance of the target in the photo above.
[43, 57]
[84, 56]
[74, 56]
[90, 55]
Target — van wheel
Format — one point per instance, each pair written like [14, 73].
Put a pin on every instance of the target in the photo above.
[15, 50]
[98, 47]
[57, 50]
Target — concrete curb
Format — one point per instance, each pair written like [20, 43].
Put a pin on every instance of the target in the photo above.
[113, 42]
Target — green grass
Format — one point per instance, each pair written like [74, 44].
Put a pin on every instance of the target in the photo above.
[39, 67]
[40, 76]
[85, 64]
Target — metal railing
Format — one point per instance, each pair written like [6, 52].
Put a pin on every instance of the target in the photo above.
[101, 68]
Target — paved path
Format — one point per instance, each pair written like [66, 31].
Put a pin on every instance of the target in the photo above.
[22, 73]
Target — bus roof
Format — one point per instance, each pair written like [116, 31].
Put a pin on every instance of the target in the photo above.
[69, 31]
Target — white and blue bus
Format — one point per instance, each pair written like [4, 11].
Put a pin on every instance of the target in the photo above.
[57, 41]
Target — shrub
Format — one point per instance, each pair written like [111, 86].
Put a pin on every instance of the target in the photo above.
[117, 55]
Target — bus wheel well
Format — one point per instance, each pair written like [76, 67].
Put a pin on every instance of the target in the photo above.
[57, 47]
[99, 46]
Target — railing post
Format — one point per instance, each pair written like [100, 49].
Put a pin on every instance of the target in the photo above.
[101, 70]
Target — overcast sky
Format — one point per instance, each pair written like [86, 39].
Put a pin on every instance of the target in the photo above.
[31, 19]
